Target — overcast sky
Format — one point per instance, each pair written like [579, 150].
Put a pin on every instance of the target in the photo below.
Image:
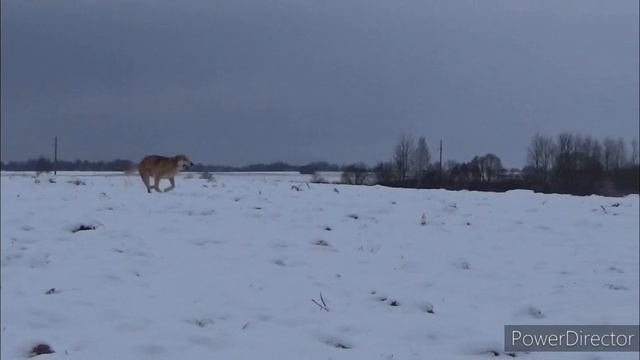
[240, 81]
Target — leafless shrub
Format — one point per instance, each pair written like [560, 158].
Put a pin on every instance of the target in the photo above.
[316, 178]
[355, 174]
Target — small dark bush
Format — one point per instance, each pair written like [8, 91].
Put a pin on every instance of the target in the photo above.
[41, 349]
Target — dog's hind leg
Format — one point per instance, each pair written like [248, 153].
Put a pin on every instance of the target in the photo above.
[145, 180]
[173, 184]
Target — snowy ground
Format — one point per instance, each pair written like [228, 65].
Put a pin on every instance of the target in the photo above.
[227, 269]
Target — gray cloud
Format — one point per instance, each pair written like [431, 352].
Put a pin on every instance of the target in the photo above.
[236, 82]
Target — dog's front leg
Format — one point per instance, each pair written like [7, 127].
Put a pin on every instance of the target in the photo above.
[173, 184]
[156, 186]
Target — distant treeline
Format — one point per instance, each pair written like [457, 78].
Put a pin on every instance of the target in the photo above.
[568, 164]
[309, 168]
[43, 164]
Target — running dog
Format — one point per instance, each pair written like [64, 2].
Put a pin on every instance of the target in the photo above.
[161, 167]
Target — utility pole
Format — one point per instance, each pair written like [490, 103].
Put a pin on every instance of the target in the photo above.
[440, 162]
[55, 155]
[440, 157]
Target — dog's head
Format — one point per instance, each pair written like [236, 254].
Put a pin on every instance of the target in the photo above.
[183, 162]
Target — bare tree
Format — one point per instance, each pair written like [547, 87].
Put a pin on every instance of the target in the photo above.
[402, 156]
[621, 160]
[589, 147]
[634, 152]
[355, 174]
[580, 163]
[420, 159]
[565, 144]
[564, 164]
[493, 166]
[383, 172]
[608, 153]
[487, 167]
[460, 174]
[587, 153]
[540, 156]
[614, 154]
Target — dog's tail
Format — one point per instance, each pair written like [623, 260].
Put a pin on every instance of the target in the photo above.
[133, 169]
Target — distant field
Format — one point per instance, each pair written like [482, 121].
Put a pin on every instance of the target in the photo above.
[234, 268]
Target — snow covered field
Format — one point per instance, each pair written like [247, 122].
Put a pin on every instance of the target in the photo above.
[228, 268]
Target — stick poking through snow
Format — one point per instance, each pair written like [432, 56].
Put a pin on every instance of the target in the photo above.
[322, 306]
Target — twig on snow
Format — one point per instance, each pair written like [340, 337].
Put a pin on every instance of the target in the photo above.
[322, 306]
